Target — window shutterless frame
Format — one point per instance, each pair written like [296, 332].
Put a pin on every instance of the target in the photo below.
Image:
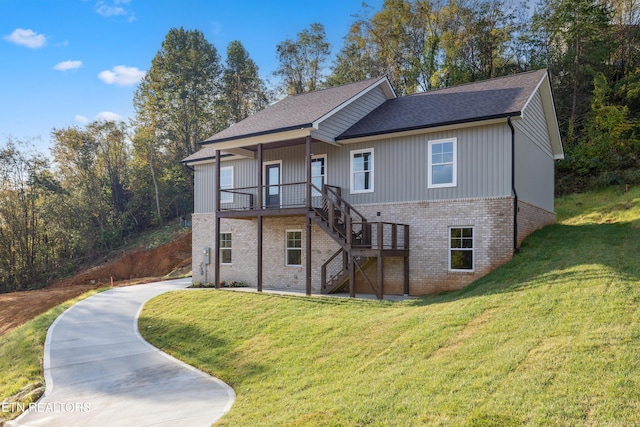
[442, 164]
[362, 171]
[225, 249]
[293, 248]
[461, 248]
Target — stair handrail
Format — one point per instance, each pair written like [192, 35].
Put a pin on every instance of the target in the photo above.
[346, 213]
[324, 280]
[347, 209]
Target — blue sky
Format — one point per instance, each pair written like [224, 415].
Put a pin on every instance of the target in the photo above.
[67, 62]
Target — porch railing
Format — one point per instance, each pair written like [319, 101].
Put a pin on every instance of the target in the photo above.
[282, 196]
[382, 236]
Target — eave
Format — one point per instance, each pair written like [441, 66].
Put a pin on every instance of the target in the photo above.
[436, 127]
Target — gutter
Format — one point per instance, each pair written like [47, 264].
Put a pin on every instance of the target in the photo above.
[516, 249]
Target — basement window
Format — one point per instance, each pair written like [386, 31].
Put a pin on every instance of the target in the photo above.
[225, 248]
[461, 249]
[294, 248]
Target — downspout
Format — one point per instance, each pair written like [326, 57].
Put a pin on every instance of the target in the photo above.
[516, 249]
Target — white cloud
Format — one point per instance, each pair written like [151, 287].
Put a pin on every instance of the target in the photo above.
[80, 119]
[108, 116]
[28, 38]
[114, 8]
[68, 65]
[122, 75]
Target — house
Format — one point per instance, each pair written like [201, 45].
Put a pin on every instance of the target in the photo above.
[352, 188]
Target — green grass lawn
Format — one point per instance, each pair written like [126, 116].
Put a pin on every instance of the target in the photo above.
[551, 338]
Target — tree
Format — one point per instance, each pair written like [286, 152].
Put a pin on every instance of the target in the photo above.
[301, 61]
[176, 102]
[24, 243]
[402, 41]
[356, 60]
[177, 96]
[93, 164]
[243, 92]
[578, 42]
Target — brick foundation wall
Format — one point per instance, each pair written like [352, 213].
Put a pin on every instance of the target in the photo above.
[203, 227]
[429, 222]
[532, 218]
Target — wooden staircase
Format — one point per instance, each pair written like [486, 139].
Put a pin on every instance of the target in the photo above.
[351, 230]
[336, 271]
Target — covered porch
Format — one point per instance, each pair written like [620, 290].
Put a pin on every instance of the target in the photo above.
[359, 239]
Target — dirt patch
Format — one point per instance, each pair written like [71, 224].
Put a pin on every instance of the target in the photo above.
[137, 266]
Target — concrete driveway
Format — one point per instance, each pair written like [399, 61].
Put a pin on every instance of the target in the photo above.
[100, 372]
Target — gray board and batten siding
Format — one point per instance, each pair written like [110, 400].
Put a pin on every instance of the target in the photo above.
[339, 122]
[534, 165]
[400, 167]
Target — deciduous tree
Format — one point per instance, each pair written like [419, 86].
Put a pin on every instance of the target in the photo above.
[301, 61]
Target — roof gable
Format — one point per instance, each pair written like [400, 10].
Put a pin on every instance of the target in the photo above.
[298, 111]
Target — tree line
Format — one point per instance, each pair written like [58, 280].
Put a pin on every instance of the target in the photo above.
[106, 181]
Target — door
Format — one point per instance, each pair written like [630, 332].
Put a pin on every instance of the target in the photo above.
[272, 182]
[318, 174]
[317, 179]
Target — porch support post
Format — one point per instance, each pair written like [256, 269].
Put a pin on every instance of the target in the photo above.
[380, 276]
[308, 241]
[406, 261]
[352, 276]
[309, 155]
[216, 255]
[260, 161]
[260, 218]
[406, 276]
[260, 253]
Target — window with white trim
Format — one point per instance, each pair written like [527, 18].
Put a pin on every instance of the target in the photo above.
[294, 248]
[442, 163]
[461, 248]
[226, 183]
[225, 248]
[362, 171]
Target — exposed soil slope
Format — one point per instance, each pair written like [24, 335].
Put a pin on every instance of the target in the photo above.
[136, 266]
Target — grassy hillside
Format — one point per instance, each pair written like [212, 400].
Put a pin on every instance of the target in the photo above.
[551, 338]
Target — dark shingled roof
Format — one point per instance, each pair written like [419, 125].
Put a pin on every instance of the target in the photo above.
[495, 98]
[293, 112]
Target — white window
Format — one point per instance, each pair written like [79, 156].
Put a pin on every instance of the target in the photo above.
[442, 163]
[461, 249]
[225, 248]
[294, 248]
[226, 183]
[362, 171]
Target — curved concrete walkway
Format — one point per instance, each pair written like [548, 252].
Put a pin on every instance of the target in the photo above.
[99, 371]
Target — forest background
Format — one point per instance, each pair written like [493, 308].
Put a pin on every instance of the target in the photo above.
[106, 181]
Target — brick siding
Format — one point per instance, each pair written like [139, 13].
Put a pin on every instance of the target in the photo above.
[429, 223]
